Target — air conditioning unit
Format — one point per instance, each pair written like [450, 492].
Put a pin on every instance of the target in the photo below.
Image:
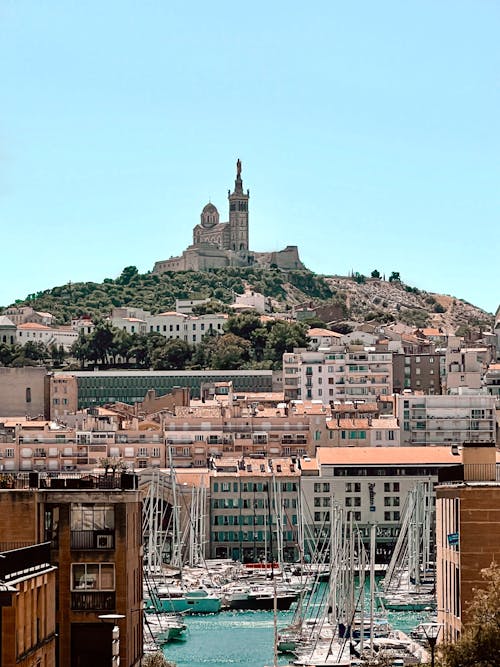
[105, 541]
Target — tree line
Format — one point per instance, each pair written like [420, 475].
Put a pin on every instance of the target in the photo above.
[246, 343]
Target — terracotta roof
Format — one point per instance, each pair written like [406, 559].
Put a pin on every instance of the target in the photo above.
[34, 325]
[170, 312]
[432, 332]
[197, 478]
[309, 464]
[386, 455]
[323, 332]
[494, 367]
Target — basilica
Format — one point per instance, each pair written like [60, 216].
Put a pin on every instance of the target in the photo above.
[219, 244]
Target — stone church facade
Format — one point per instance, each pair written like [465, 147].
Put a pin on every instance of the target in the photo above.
[219, 244]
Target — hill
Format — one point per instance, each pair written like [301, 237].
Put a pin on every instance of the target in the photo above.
[333, 298]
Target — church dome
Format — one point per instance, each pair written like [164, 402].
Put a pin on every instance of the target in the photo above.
[209, 216]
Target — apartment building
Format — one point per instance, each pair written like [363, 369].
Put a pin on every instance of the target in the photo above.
[418, 372]
[348, 373]
[41, 333]
[196, 433]
[170, 324]
[27, 607]
[467, 532]
[464, 367]
[437, 420]
[372, 483]
[362, 432]
[254, 511]
[93, 525]
[491, 380]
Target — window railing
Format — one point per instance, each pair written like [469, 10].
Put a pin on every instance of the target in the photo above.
[93, 601]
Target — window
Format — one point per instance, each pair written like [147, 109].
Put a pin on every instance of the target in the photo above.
[390, 435]
[92, 517]
[92, 577]
[28, 394]
[326, 487]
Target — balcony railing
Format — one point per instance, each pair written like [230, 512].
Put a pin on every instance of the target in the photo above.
[93, 601]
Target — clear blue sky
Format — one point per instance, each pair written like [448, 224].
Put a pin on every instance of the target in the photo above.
[368, 132]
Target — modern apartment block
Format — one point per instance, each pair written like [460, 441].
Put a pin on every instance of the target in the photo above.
[440, 420]
[371, 483]
[27, 607]
[349, 373]
[467, 532]
[93, 525]
[418, 372]
[254, 511]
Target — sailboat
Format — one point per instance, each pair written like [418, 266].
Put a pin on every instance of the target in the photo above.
[409, 584]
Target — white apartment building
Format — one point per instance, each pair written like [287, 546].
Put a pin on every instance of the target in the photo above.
[170, 324]
[41, 333]
[350, 373]
[447, 419]
[371, 483]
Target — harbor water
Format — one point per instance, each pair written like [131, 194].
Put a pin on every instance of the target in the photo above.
[245, 638]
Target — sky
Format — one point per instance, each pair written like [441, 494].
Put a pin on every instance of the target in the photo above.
[369, 135]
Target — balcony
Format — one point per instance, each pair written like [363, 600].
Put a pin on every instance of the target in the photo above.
[100, 540]
[93, 601]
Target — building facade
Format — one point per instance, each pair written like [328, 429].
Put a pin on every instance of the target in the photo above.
[437, 420]
[94, 529]
[338, 374]
[467, 532]
[254, 509]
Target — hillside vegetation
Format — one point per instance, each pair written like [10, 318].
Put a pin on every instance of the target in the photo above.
[335, 298]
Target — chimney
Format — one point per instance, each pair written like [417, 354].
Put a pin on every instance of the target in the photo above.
[479, 461]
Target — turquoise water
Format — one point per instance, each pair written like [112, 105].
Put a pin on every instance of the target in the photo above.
[244, 638]
[229, 638]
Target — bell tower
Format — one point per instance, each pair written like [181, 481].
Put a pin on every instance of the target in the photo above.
[238, 214]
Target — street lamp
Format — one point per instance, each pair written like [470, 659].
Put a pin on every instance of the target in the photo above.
[431, 632]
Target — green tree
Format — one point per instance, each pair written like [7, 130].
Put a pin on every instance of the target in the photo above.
[35, 351]
[375, 273]
[227, 352]
[284, 337]
[479, 643]
[101, 342]
[127, 275]
[243, 325]
[175, 354]
[395, 277]
[57, 355]
[81, 349]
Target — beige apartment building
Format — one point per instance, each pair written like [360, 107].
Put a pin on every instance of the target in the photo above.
[338, 374]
